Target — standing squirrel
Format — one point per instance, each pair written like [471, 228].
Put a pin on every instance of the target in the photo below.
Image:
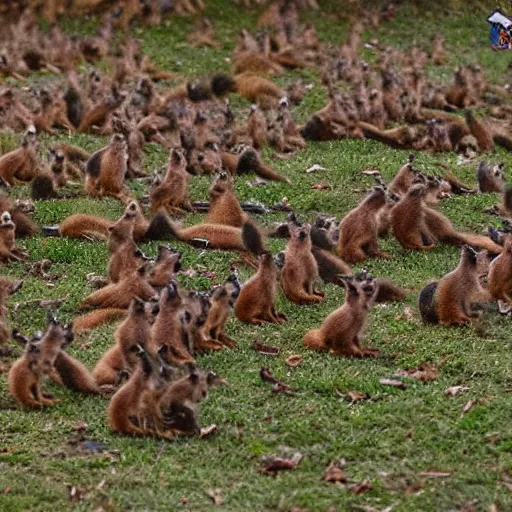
[300, 270]
[359, 229]
[166, 266]
[404, 178]
[8, 249]
[38, 359]
[449, 301]
[342, 330]
[500, 277]
[7, 288]
[134, 330]
[20, 165]
[224, 205]
[106, 170]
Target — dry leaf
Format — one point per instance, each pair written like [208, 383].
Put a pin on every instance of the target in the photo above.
[279, 386]
[425, 372]
[414, 489]
[455, 390]
[265, 349]
[256, 182]
[215, 495]
[274, 464]
[208, 431]
[321, 186]
[434, 474]
[393, 383]
[75, 493]
[334, 473]
[294, 361]
[357, 396]
[314, 168]
[468, 407]
[361, 487]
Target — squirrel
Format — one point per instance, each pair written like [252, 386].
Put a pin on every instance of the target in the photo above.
[38, 359]
[250, 161]
[20, 165]
[224, 205]
[166, 265]
[500, 277]
[135, 329]
[408, 220]
[119, 295]
[342, 330]
[401, 137]
[45, 185]
[359, 229]
[195, 313]
[8, 249]
[125, 404]
[106, 170]
[480, 131]
[257, 127]
[180, 401]
[24, 226]
[221, 299]
[442, 229]
[168, 329]
[490, 180]
[7, 288]
[300, 270]
[449, 301]
[256, 302]
[73, 374]
[404, 178]
[171, 194]
[250, 86]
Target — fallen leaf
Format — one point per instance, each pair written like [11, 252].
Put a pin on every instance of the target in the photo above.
[256, 182]
[414, 489]
[334, 473]
[215, 495]
[75, 493]
[6, 490]
[265, 349]
[274, 464]
[361, 487]
[455, 390]
[314, 168]
[208, 431]
[393, 383]
[294, 361]
[279, 387]
[468, 407]
[80, 426]
[434, 474]
[357, 396]
[321, 186]
[425, 372]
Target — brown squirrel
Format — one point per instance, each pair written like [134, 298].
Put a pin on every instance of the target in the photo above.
[46, 184]
[500, 277]
[449, 301]
[221, 300]
[250, 161]
[106, 170]
[8, 249]
[480, 131]
[180, 401]
[7, 288]
[342, 330]
[20, 165]
[408, 221]
[119, 295]
[490, 180]
[442, 229]
[250, 86]
[404, 178]
[125, 258]
[125, 406]
[300, 270]
[80, 225]
[256, 302]
[168, 329]
[224, 205]
[257, 127]
[171, 194]
[73, 374]
[401, 137]
[38, 359]
[135, 329]
[196, 306]
[24, 226]
[359, 229]
[166, 265]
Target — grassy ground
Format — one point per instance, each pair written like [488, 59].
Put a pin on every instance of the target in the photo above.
[389, 439]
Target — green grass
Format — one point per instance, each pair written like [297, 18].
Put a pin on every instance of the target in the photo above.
[389, 439]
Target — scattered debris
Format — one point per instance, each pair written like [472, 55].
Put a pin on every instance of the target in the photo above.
[361, 487]
[321, 186]
[455, 390]
[356, 396]
[208, 431]
[279, 386]
[42, 303]
[393, 383]
[294, 361]
[315, 168]
[425, 372]
[273, 464]
[435, 474]
[268, 350]
[256, 182]
[215, 495]
[80, 426]
[334, 472]
[468, 407]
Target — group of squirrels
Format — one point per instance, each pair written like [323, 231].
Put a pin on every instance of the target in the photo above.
[150, 372]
